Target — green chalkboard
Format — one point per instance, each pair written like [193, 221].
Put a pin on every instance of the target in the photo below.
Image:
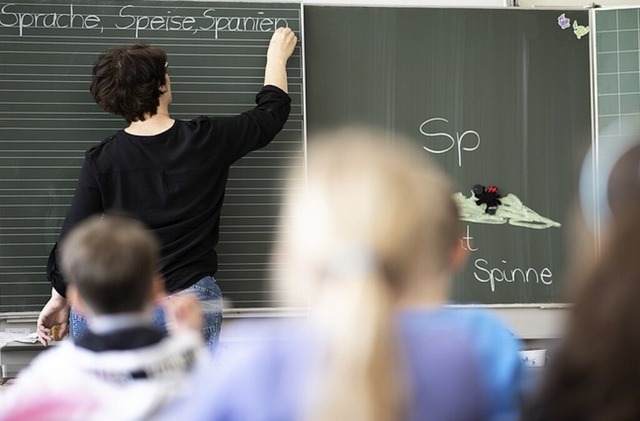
[510, 84]
[216, 52]
[497, 97]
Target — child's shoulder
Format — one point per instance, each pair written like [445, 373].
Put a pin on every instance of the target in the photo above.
[484, 330]
[482, 323]
[476, 317]
[452, 316]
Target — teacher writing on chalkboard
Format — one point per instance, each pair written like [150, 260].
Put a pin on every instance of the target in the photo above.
[170, 174]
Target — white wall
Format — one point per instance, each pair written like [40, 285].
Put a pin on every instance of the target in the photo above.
[468, 3]
[394, 3]
[575, 3]
[401, 3]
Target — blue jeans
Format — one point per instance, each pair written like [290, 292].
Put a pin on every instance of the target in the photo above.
[208, 293]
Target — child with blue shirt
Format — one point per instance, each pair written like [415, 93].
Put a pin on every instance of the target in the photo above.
[369, 244]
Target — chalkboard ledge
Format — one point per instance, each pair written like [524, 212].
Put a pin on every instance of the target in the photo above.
[528, 321]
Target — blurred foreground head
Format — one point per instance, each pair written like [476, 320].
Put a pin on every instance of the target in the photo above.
[592, 376]
[609, 195]
[372, 229]
[371, 208]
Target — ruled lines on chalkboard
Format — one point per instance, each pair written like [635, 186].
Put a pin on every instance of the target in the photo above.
[216, 53]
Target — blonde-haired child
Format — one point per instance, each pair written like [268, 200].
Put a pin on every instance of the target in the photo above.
[369, 244]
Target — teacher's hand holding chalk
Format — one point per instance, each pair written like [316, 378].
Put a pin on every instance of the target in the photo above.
[53, 322]
[283, 41]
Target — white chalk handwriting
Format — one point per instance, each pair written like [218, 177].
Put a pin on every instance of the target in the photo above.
[494, 275]
[503, 272]
[450, 142]
[135, 19]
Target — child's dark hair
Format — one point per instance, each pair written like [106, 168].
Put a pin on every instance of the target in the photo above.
[126, 80]
[111, 260]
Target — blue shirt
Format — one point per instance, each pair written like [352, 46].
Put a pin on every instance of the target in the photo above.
[459, 364]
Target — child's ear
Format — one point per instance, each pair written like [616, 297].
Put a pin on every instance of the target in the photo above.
[458, 258]
[157, 288]
[74, 298]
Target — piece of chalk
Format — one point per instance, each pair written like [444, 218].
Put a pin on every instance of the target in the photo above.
[55, 332]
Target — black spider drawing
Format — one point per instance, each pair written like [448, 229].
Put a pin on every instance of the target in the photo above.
[489, 196]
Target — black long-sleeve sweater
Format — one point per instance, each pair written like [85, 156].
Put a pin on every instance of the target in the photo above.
[174, 182]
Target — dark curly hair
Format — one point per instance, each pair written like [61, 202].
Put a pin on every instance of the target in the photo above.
[127, 80]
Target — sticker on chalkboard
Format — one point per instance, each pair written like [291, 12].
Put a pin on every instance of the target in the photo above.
[510, 211]
[580, 30]
[564, 21]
